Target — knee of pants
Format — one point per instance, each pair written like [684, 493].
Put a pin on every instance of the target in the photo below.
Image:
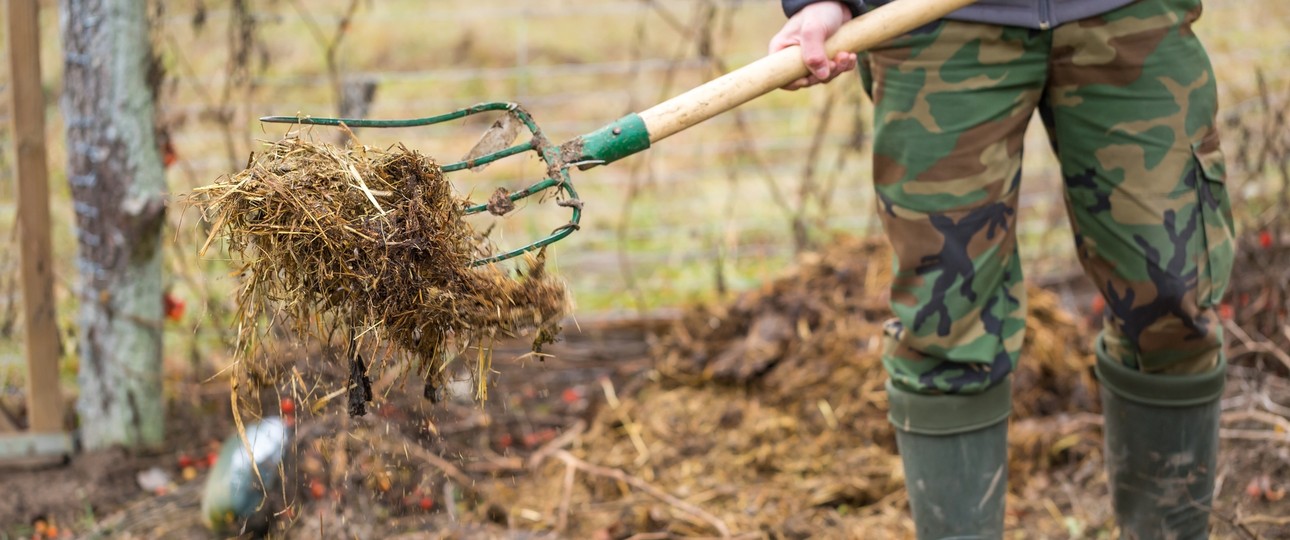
[915, 371]
[1180, 337]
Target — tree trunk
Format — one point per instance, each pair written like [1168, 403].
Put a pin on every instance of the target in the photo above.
[118, 194]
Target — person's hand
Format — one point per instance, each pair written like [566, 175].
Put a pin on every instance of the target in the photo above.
[809, 28]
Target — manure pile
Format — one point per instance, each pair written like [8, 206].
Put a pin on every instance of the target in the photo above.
[763, 417]
[768, 414]
[370, 245]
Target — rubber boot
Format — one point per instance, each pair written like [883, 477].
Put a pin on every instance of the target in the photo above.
[1161, 436]
[955, 452]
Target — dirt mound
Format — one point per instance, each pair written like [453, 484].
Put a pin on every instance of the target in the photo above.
[769, 413]
[763, 417]
[818, 330]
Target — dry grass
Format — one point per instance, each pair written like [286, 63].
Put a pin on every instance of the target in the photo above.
[371, 244]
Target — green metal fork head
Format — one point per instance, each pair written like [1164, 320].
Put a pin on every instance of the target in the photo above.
[557, 166]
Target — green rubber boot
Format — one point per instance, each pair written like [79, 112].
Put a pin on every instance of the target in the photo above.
[1161, 436]
[955, 452]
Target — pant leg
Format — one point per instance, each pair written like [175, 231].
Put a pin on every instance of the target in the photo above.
[952, 101]
[1131, 106]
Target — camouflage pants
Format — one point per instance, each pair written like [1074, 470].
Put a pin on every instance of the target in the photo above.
[1129, 101]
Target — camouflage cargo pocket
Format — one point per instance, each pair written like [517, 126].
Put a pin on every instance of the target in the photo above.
[1217, 249]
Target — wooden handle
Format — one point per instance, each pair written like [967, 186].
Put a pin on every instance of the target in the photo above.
[776, 70]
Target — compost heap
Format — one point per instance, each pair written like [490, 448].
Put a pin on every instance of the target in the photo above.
[371, 244]
[763, 417]
[767, 414]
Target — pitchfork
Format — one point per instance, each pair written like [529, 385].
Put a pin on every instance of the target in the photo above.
[638, 131]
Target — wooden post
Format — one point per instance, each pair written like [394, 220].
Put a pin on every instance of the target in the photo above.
[44, 397]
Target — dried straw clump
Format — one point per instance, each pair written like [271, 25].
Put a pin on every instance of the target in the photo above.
[372, 243]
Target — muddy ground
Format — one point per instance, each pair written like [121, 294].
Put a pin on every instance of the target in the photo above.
[759, 417]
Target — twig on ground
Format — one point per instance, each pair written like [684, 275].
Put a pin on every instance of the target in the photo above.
[448, 501]
[642, 485]
[566, 494]
[1272, 406]
[1058, 517]
[1250, 344]
[1254, 435]
[632, 428]
[1258, 416]
[1280, 432]
[451, 471]
[1219, 480]
[1235, 402]
[1063, 423]
[1260, 519]
[496, 464]
[1236, 524]
[558, 443]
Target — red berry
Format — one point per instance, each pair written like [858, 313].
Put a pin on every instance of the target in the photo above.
[505, 440]
[168, 154]
[1226, 312]
[173, 305]
[185, 461]
[1253, 489]
[531, 440]
[1098, 304]
[317, 489]
[569, 396]
[288, 405]
[426, 503]
[211, 458]
[1265, 239]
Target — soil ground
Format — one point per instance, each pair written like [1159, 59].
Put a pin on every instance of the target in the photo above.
[760, 417]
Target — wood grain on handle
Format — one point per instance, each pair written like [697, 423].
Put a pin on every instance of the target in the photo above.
[785, 66]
